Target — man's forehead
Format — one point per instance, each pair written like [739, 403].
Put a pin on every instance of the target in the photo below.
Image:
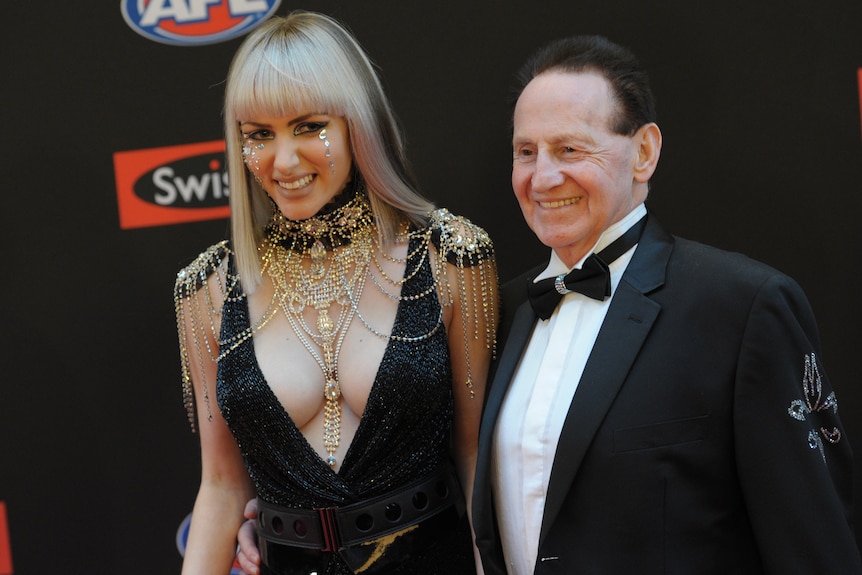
[563, 106]
[586, 82]
[566, 92]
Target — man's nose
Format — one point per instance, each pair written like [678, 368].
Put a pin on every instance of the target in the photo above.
[547, 174]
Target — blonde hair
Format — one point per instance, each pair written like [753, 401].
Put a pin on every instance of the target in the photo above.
[309, 62]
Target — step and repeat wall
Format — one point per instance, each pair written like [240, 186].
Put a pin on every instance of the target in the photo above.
[113, 179]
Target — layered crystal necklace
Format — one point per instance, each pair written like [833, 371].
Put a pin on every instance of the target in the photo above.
[320, 264]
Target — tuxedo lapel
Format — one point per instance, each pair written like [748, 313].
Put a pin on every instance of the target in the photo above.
[623, 332]
[630, 317]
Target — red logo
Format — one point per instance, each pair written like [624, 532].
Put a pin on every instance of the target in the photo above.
[859, 74]
[5, 546]
[176, 184]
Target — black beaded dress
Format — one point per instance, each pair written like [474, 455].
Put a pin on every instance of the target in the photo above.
[404, 433]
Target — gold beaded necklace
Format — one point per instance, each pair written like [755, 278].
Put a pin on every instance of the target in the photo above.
[296, 286]
[306, 274]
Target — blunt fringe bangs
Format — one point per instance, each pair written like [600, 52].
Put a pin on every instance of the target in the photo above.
[286, 71]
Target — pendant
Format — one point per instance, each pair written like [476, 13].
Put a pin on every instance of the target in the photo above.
[332, 390]
[331, 417]
[324, 323]
[318, 259]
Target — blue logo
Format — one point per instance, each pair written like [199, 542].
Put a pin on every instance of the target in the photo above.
[195, 22]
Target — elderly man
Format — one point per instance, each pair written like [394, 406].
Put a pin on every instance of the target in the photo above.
[659, 406]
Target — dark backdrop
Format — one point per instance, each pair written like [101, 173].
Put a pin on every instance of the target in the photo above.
[759, 106]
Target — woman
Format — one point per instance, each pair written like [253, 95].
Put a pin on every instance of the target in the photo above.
[335, 351]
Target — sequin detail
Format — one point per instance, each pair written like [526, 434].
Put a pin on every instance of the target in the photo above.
[813, 403]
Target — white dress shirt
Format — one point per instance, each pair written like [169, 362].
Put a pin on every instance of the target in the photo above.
[532, 416]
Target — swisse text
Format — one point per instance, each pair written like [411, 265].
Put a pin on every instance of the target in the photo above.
[192, 190]
[180, 185]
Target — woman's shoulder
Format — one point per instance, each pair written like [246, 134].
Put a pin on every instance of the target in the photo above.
[459, 240]
[193, 276]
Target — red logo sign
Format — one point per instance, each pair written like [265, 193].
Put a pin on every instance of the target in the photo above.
[176, 184]
[859, 74]
[5, 546]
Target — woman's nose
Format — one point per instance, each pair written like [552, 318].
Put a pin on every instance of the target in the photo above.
[286, 155]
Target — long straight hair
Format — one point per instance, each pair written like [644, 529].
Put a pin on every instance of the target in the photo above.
[308, 62]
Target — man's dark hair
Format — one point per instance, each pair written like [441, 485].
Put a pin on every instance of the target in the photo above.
[628, 80]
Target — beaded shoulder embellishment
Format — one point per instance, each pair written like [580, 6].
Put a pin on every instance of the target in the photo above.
[469, 248]
[192, 277]
[197, 309]
[459, 240]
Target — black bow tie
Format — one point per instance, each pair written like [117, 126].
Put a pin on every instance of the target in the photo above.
[593, 279]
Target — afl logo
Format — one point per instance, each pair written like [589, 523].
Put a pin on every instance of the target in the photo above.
[195, 22]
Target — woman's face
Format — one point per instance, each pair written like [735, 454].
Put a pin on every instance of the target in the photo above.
[301, 160]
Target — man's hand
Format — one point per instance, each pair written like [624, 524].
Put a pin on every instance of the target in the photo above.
[247, 554]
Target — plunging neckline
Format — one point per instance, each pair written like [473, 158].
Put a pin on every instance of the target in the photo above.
[345, 462]
[401, 433]
[272, 398]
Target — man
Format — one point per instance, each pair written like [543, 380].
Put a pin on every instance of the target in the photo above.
[678, 419]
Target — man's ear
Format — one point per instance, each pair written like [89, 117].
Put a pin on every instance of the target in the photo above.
[648, 140]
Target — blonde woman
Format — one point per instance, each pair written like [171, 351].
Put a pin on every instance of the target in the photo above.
[334, 350]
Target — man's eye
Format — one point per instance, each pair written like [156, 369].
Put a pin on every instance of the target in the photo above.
[309, 128]
[524, 155]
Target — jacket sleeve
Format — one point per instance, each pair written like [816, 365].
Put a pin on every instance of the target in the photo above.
[794, 461]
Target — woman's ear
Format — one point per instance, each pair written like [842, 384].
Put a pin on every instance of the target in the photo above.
[648, 139]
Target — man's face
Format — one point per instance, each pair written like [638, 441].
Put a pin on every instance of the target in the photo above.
[573, 177]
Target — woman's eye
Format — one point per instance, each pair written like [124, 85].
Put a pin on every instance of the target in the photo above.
[257, 135]
[309, 128]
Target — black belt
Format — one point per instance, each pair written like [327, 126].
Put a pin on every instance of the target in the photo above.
[334, 528]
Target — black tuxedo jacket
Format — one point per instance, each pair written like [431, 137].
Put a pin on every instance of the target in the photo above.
[703, 437]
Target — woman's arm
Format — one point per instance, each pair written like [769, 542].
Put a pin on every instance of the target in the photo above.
[225, 486]
[218, 510]
[472, 331]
